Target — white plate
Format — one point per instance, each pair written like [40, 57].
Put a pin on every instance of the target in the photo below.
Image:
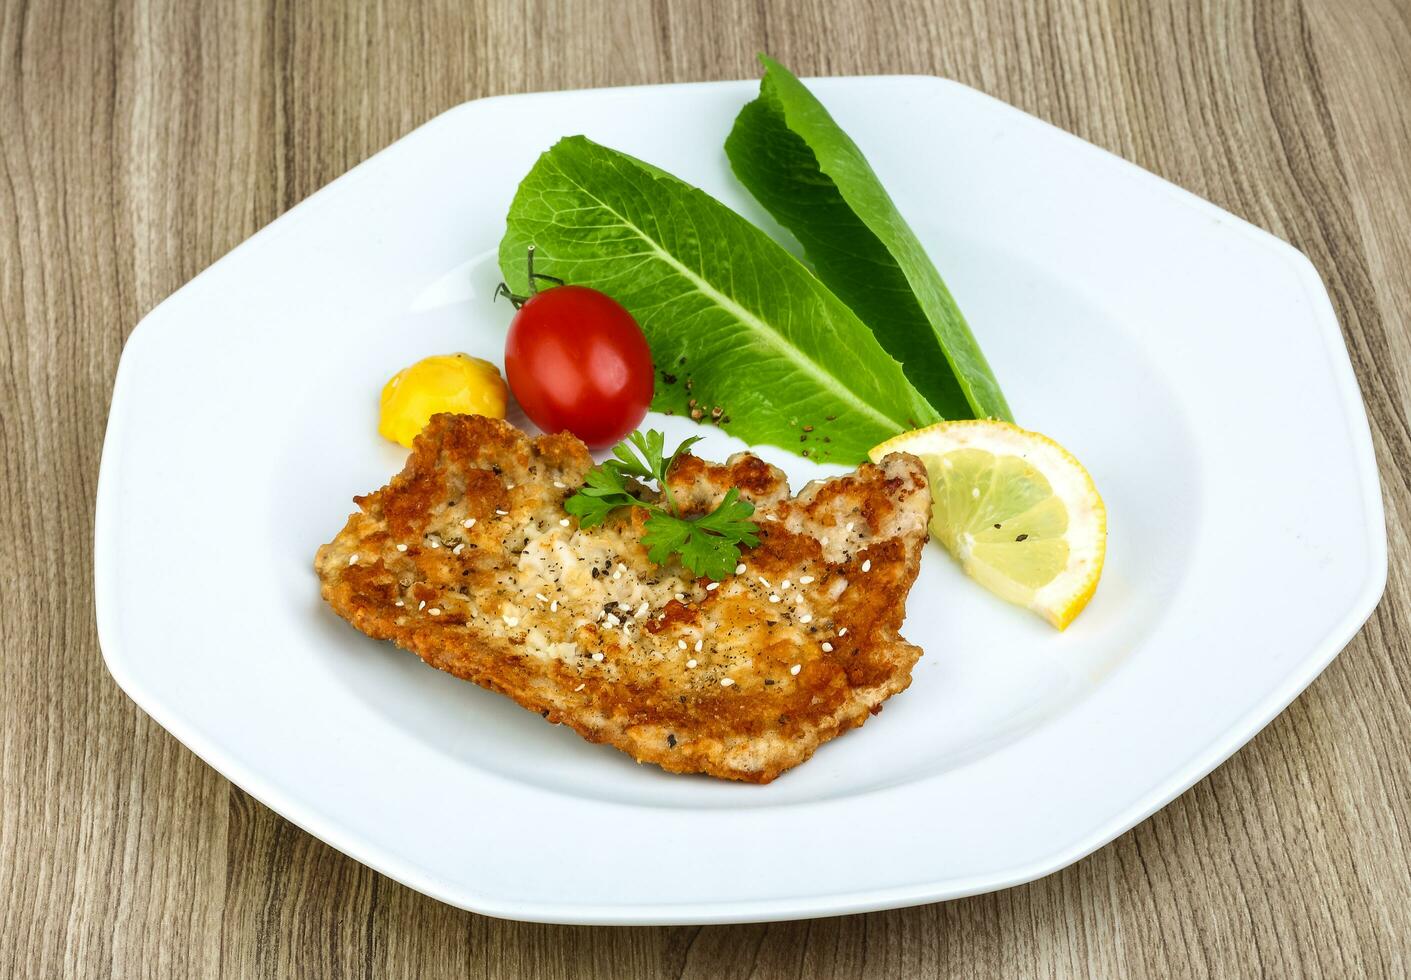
[1192, 362]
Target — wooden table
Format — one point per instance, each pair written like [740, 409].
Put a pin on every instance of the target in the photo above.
[139, 141]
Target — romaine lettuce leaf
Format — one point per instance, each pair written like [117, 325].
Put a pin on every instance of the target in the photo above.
[804, 170]
[734, 321]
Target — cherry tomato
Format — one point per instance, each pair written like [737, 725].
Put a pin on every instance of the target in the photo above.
[577, 361]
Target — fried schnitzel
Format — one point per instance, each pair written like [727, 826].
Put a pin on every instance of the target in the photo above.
[468, 559]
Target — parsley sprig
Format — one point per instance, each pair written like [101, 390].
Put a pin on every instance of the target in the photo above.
[708, 545]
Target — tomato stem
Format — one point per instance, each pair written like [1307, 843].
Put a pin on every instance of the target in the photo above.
[515, 301]
[533, 277]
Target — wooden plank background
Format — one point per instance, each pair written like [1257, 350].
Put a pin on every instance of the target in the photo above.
[140, 140]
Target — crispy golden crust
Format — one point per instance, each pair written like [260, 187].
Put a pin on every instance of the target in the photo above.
[581, 627]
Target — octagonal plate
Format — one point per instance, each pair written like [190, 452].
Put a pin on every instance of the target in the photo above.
[1191, 360]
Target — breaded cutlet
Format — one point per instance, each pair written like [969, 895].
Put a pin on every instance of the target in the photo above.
[468, 559]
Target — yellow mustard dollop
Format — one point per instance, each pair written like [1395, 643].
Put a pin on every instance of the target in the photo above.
[455, 383]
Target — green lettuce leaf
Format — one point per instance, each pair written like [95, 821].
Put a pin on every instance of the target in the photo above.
[813, 179]
[734, 321]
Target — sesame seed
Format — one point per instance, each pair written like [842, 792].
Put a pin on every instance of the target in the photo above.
[680, 597]
[598, 656]
[511, 621]
[768, 517]
[502, 513]
[541, 597]
[795, 669]
[616, 576]
[612, 620]
[579, 688]
[764, 581]
[867, 565]
[641, 610]
[458, 548]
[401, 547]
[624, 607]
[621, 567]
[422, 606]
[399, 603]
[740, 569]
[806, 618]
[559, 485]
[509, 486]
[554, 606]
[823, 541]
[435, 543]
[681, 644]
[843, 631]
[564, 522]
[434, 611]
[699, 644]
[469, 522]
[774, 598]
[352, 559]
[726, 682]
[827, 647]
[691, 662]
[712, 586]
[974, 491]
[806, 580]
[849, 527]
[786, 584]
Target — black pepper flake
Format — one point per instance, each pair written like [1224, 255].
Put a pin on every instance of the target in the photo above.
[595, 572]
[544, 713]
[682, 360]
[670, 741]
[996, 527]
[668, 378]
[803, 438]
[1021, 537]
[768, 682]
[805, 452]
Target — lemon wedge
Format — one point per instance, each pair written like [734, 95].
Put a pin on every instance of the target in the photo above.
[1018, 512]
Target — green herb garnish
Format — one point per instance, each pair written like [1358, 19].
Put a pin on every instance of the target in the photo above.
[708, 545]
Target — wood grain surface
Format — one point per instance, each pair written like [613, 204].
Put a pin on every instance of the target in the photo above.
[139, 141]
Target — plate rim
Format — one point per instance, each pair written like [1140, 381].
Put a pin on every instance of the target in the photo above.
[811, 905]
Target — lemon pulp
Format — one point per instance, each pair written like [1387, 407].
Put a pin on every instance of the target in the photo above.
[1017, 511]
